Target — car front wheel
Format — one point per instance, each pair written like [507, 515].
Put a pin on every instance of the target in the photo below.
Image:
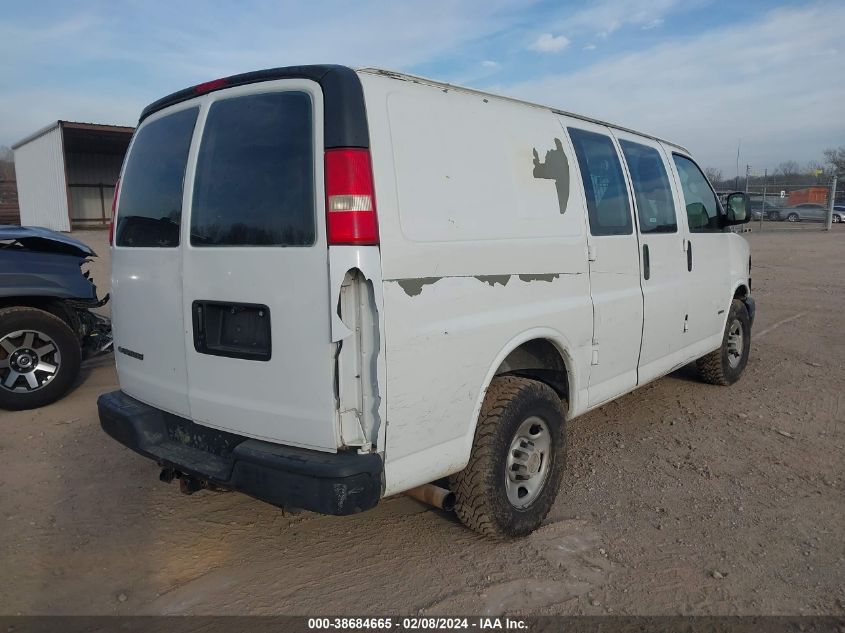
[725, 365]
[39, 358]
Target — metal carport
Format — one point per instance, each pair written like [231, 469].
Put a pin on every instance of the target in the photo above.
[66, 173]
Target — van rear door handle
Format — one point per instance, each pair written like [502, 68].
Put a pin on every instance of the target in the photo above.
[689, 256]
[646, 263]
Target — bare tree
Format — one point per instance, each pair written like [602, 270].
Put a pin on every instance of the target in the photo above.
[713, 174]
[836, 159]
[788, 168]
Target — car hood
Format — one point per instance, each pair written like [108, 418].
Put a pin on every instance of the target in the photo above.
[36, 238]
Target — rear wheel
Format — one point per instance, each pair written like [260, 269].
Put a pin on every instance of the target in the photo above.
[39, 358]
[513, 475]
[725, 365]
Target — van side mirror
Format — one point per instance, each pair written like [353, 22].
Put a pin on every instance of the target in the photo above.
[737, 209]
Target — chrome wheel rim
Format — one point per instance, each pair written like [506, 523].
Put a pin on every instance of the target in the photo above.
[29, 360]
[735, 343]
[528, 464]
[792, 218]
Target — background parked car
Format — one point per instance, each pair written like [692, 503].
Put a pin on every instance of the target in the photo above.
[761, 210]
[801, 212]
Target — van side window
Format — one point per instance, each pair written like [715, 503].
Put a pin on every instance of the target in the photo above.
[702, 205]
[655, 207]
[254, 181]
[150, 209]
[607, 198]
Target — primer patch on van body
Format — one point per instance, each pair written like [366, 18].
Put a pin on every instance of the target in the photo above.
[555, 167]
[494, 279]
[529, 278]
[413, 287]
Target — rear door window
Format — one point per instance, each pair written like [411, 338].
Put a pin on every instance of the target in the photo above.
[608, 207]
[655, 207]
[151, 189]
[254, 183]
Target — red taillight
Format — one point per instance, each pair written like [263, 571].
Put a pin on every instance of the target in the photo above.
[113, 209]
[350, 198]
[208, 86]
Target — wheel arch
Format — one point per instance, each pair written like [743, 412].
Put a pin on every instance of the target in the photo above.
[545, 339]
[51, 305]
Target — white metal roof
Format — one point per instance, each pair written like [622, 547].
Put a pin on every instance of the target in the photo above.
[440, 84]
[74, 125]
[36, 134]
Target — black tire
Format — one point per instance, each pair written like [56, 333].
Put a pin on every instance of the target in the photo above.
[481, 489]
[725, 365]
[837, 218]
[66, 343]
[774, 216]
[793, 217]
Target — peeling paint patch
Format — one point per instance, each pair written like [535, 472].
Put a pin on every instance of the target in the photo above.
[555, 167]
[529, 278]
[413, 287]
[494, 279]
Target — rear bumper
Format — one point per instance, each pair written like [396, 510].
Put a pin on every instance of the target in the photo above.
[330, 483]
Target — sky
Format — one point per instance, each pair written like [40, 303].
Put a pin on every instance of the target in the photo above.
[710, 75]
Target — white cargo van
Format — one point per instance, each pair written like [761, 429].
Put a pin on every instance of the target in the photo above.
[332, 286]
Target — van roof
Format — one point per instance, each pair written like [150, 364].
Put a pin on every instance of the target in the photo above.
[440, 84]
[346, 123]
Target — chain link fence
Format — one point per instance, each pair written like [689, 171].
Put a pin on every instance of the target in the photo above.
[779, 206]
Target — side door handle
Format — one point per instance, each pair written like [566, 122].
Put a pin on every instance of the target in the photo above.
[689, 256]
[646, 263]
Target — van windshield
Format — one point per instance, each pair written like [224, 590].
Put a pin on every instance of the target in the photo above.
[151, 190]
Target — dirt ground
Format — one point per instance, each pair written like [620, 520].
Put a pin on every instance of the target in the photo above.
[680, 498]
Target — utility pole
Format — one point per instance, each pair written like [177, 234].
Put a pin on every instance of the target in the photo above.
[738, 145]
[747, 173]
[829, 224]
[763, 208]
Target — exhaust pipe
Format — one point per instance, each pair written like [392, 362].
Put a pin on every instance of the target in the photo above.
[433, 496]
[188, 485]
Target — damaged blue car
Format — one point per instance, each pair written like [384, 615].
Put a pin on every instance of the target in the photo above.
[47, 326]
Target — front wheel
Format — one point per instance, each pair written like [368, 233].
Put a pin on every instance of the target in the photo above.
[792, 217]
[514, 470]
[837, 219]
[39, 358]
[725, 365]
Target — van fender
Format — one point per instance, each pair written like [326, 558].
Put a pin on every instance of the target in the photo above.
[563, 346]
[745, 297]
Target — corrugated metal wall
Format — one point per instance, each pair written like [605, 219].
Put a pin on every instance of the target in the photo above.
[89, 202]
[40, 170]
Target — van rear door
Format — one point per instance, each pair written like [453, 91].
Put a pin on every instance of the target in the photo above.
[255, 267]
[221, 290]
[146, 261]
